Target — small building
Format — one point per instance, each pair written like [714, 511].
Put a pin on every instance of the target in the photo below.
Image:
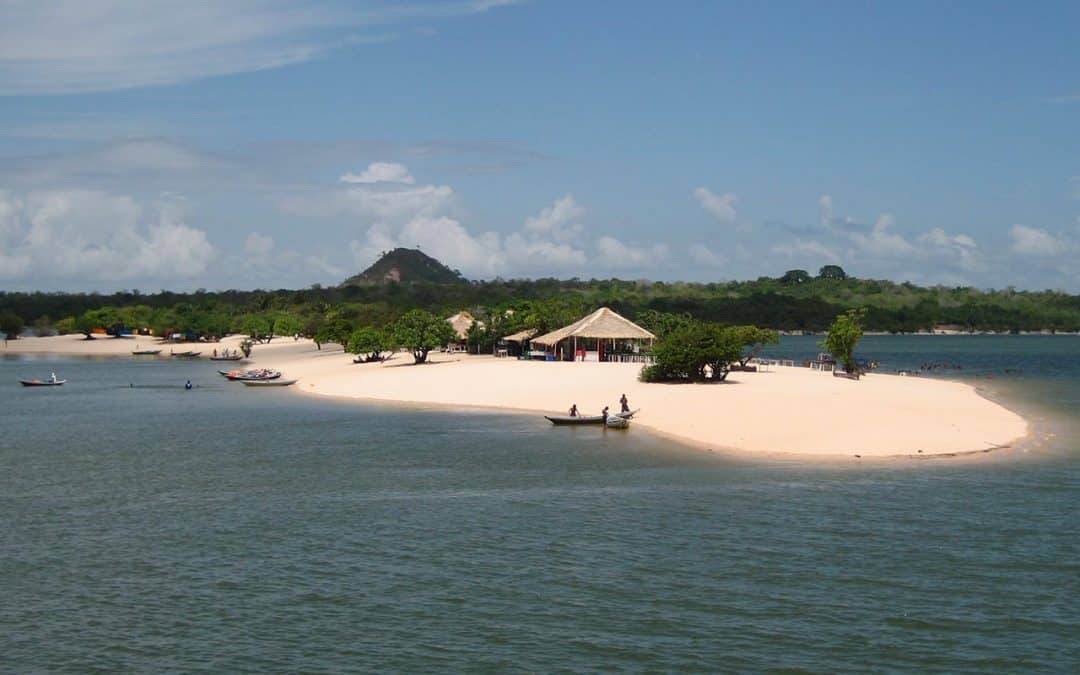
[603, 335]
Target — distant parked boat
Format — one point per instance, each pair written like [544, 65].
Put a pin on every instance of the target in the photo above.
[249, 375]
[185, 355]
[234, 357]
[146, 352]
[268, 383]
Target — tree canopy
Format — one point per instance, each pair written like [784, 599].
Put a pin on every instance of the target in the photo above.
[420, 332]
[844, 333]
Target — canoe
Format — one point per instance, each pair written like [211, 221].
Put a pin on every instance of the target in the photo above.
[565, 421]
[227, 358]
[42, 383]
[268, 383]
[185, 355]
[146, 352]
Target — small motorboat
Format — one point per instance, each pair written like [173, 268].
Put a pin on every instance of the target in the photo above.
[231, 357]
[251, 375]
[616, 422]
[146, 352]
[566, 421]
[42, 383]
[268, 383]
[185, 355]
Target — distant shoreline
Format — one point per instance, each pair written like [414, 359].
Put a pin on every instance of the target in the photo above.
[786, 412]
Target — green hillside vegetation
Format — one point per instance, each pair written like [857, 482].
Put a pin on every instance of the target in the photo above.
[795, 301]
[406, 266]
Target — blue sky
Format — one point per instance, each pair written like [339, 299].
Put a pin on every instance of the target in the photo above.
[261, 143]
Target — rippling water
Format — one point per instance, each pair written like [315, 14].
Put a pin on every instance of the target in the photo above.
[153, 529]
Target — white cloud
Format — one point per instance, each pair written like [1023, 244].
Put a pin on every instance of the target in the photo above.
[72, 46]
[91, 235]
[722, 207]
[258, 248]
[880, 242]
[381, 172]
[614, 254]
[703, 255]
[958, 249]
[555, 221]
[825, 209]
[805, 249]
[1032, 241]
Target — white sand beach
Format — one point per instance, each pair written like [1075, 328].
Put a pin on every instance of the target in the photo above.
[785, 411]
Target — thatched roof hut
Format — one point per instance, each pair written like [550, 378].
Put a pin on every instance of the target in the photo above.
[603, 324]
[520, 336]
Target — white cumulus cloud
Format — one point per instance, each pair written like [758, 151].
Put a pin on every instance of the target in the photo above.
[380, 172]
[1032, 241]
[722, 207]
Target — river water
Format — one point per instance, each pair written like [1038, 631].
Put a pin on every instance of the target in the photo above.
[147, 528]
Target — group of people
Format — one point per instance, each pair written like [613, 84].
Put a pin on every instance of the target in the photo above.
[623, 401]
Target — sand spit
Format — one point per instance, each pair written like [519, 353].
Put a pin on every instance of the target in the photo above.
[785, 411]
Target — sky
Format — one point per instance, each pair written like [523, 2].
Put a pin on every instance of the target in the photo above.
[279, 144]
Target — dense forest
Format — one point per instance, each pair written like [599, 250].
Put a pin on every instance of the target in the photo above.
[795, 301]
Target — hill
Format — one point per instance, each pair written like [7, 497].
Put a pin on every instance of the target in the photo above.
[406, 266]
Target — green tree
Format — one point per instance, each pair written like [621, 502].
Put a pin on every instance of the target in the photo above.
[370, 342]
[256, 326]
[695, 353]
[11, 324]
[420, 331]
[336, 329]
[287, 324]
[752, 340]
[795, 277]
[832, 272]
[663, 323]
[844, 333]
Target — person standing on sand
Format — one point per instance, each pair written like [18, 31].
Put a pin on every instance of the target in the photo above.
[624, 403]
[604, 414]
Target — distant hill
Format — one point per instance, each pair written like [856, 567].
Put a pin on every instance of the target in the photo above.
[407, 266]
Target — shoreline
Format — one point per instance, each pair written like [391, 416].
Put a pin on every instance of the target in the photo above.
[781, 414]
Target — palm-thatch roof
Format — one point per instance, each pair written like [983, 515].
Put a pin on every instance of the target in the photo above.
[603, 323]
[521, 335]
[461, 322]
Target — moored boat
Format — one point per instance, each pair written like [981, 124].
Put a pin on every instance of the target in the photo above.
[565, 420]
[268, 383]
[233, 357]
[185, 355]
[42, 383]
[251, 375]
[616, 422]
[146, 352]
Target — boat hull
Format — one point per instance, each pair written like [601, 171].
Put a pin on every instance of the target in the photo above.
[41, 383]
[564, 421]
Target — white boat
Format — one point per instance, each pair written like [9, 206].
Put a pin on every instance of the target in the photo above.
[616, 422]
[267, 383]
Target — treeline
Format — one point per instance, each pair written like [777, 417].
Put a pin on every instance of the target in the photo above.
[796, 300]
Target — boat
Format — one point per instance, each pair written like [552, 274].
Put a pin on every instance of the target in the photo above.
[616, 422]
[251, 375]
[234, 357]
[564, 420]
[268, 383]
[185, 355]
[146, 352]
[42, 383]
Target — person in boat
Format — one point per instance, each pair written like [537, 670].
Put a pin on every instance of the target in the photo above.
[188, 385]
[624, 403]
[52, 377]
[604, 414]
[573, 410]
